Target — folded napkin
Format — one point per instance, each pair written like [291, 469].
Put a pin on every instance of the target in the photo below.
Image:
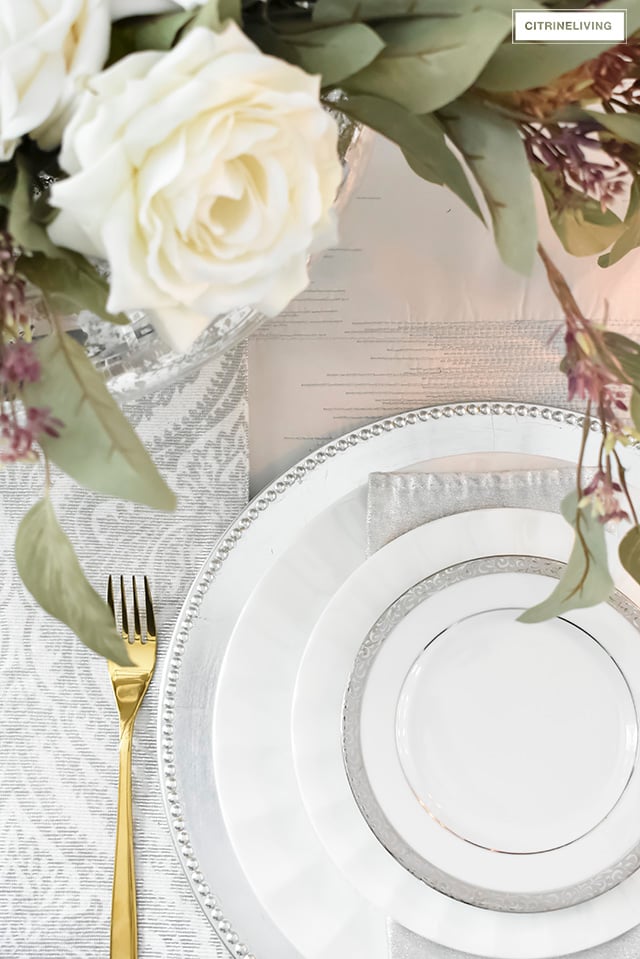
[399, 502]
[404, 944]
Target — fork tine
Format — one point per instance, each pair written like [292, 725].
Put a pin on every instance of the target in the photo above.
[110, 598]
[125, 618]
[136, 613]
[151, 620]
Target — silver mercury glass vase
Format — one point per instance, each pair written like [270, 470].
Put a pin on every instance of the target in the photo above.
[135, 359]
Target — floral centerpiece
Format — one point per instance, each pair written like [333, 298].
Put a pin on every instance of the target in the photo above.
[177, 158]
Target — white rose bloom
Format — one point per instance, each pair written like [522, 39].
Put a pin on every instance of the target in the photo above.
[204, 176]
[136, 8]
[47, 50]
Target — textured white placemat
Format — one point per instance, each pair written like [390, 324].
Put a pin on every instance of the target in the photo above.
[58, 721]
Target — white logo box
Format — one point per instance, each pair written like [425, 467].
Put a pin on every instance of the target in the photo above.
[569, 26]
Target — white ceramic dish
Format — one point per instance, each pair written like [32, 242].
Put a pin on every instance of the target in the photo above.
[314, 520]
[494, 760]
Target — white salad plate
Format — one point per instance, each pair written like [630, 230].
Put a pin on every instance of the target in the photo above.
[308, 532]
[495, 761]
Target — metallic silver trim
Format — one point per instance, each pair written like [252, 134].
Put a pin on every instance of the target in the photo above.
[374, 815]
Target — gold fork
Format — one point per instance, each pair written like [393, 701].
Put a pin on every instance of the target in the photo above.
[130, 683]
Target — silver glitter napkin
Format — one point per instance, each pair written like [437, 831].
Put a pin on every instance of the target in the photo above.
[404, 944]
[397, 503]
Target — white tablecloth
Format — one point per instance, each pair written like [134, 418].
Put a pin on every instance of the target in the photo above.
[58, 721]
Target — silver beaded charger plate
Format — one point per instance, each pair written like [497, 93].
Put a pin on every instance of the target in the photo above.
[315, 515]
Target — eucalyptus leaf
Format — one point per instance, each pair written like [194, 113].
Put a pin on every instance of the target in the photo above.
[146, 33]
[629, 553]
[584, 229]
[97, 446]
[270, 41]
[626, 355]
[495, 154]
[421, 139]
[523, 66]
[335, 52]
[345, 11]
[50, 570]
[625, 126]
[629, 238]
[214, 13]
[8, 176]
[597, 585]
[428, 62]
[25, 231]
[69, 284]
[635, 409]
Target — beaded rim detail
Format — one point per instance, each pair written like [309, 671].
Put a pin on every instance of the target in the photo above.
[297, 474]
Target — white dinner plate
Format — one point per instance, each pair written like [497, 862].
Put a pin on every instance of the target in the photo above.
[313, 520]
[253, 756]
[445, 727]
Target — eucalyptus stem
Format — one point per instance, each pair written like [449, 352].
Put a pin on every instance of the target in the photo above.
[578, 521]
[47, 474]
[622, 474]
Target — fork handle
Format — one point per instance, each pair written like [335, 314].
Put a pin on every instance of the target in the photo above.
[124, 926]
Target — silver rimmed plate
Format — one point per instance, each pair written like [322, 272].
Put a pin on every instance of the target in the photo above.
[305, 535]
[389, 870]
[497, 761]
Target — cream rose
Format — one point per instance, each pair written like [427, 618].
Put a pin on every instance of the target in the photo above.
[136, 8]
[204, 176]
[47, 49]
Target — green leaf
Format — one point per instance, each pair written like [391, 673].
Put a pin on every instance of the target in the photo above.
[421, 139]
[629, 553]
[146, 33]
[334, 52]
[597, 585]
[625, 126]
[495, 154]
[523, 66]
[7, 182]
[97, 446]
[214, 13]
[430, 61]
[349, 11]
[29, 234]
[69, 284]
[629, 238]
[635, 408]
[50, 570]
[626, 354]
[583, 228]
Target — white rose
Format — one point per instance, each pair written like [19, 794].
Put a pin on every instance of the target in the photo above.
[135, 8]
[47, 49]
[203, 176]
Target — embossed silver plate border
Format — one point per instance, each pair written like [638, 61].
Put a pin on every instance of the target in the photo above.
[175, 732]
[364, 795]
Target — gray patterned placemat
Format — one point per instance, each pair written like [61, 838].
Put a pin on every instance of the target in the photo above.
[59, 725]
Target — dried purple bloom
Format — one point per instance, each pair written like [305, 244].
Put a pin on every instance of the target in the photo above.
[602, 494]
[41, 420]
[561, 150]
[19, 364]
[18, 436]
